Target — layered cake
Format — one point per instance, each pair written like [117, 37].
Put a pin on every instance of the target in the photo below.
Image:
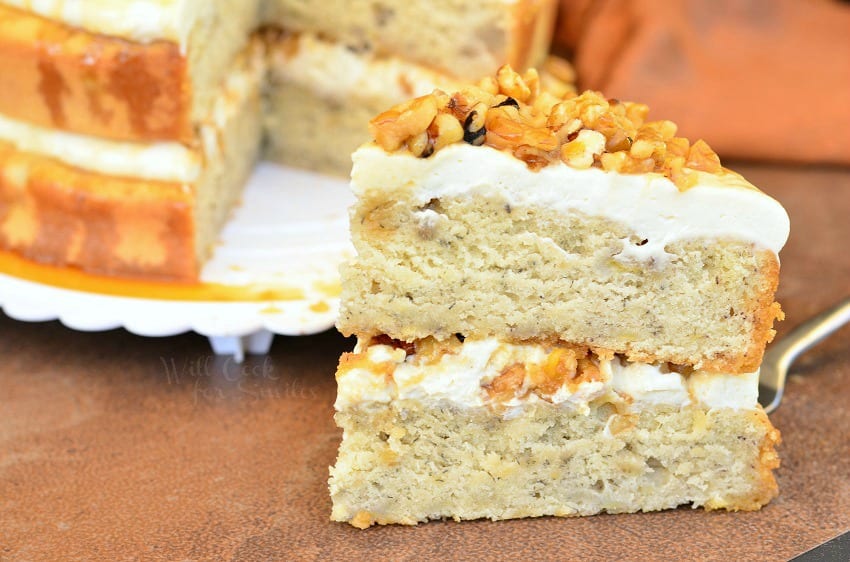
[127, 129]
[560, 309]
[337, 64]
[322, 94]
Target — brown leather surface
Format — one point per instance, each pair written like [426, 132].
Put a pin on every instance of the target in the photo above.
[763, 80]
[116, 447]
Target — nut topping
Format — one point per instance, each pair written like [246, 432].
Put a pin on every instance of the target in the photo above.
[511, 112]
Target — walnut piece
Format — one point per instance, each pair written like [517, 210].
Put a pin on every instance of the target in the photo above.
[541, 126]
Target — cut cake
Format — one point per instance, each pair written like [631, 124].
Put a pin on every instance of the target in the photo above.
[127, 128]
[560, 308]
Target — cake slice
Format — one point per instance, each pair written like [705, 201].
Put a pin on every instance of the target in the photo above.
[560, 308]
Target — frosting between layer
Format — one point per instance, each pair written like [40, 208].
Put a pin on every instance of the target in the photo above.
[720, 206]
[385, 373]
[159, 161]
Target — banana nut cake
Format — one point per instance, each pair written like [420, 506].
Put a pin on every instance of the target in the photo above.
[561, 309]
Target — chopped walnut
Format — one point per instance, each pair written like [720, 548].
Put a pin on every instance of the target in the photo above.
[541, 125]
[581, 152]
[701, 157]
[445, 130]
[508, 384]
[513, 85]
[560, 366]
[393, 127]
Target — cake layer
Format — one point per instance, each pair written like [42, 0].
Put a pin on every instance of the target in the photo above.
[471, 241]
[53, 213]
[408, 462]
[468, 40]
[60, 213]
[489, 429]
[723, 206]
[56, 76]
[506, 376]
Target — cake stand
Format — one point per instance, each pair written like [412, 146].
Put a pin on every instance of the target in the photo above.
[273, 271]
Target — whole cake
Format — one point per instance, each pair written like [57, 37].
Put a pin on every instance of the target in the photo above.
[127, 128]
[560, 308]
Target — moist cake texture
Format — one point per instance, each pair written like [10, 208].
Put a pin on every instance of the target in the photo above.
[561, 309]
[484, 428]
[410, 463]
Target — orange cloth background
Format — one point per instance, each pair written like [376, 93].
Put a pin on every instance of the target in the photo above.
[757, 79]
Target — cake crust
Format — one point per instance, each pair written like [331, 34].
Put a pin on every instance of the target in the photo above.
[56, 76]
[56, 214]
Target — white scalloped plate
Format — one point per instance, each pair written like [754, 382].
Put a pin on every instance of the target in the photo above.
[290, 233]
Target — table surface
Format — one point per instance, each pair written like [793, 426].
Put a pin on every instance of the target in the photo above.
[118, 447]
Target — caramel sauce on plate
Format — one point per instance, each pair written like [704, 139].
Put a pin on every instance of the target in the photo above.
[74, 279]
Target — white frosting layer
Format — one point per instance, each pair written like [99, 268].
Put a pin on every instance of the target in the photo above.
[648, 385]
[722, 206]
[460, 378]
[335, 72]
[165, 161]
[137, 20]
[156, 161]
